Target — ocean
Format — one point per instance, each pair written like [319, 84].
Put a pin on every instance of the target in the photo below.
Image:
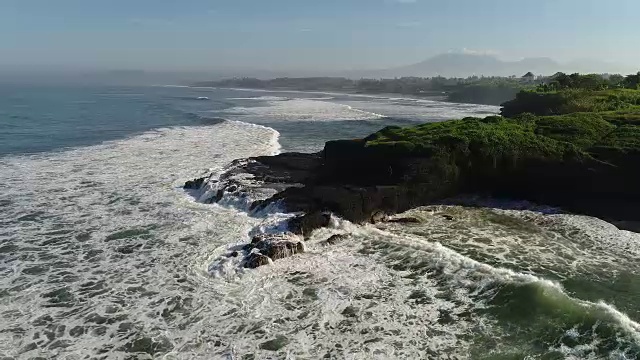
[104, 256]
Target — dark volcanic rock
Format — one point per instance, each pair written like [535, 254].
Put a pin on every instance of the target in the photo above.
[585, 163]
[378, 216]
[290, 168]
[280, 249]
[574, 162]
[255, 260]
[266, 247]
[194, 184]
[305, 224]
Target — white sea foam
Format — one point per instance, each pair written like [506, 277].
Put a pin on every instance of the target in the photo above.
[301, 110]
[261, 98]
[101, 252]
[101, 247]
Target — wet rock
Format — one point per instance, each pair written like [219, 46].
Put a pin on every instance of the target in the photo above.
[378, 216]
[335, 239]
[285, 168]
[305, 224]
[405, 220]
[219, 196]
[267, 247]
[280, 249]
[255, 260]
[248, 247]
[258, 238]
[194, 184]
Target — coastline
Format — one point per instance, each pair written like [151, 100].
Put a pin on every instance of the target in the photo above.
[435, 98]
[579, 162]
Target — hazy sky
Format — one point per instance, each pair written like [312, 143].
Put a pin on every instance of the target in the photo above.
[301, 34]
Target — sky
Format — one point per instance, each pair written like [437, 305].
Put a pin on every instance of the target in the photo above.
[325, 35]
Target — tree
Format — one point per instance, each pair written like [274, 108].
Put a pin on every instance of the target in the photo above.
[632, 81]
[616, 80]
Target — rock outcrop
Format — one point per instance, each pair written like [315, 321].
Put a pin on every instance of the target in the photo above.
[584, 163]
[266, 248]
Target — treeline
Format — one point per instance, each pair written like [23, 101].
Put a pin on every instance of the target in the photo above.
[479, 90]
[561, 81]
[404, 85]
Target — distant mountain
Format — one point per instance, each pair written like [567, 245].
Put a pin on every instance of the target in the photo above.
[464, 65]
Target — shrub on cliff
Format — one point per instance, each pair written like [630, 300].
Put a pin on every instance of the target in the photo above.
[571, 101]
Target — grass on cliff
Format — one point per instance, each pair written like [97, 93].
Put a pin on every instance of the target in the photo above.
[527, 136]
[557, 126]
[492, 136]
[572, 101]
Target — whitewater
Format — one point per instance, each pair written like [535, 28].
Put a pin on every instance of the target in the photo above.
[104, 255]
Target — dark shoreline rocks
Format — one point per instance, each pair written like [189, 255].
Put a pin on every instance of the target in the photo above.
[562, 162]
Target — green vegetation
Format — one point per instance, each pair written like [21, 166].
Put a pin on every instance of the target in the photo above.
[574, 147]
[575, 122]
[562, 81]
[494, 137]
[566, 94]
[620, 101]
[480, 90]
[492, 90]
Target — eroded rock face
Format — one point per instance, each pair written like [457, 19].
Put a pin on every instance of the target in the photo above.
[566, 163]
[305, 224]
[194, 184]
